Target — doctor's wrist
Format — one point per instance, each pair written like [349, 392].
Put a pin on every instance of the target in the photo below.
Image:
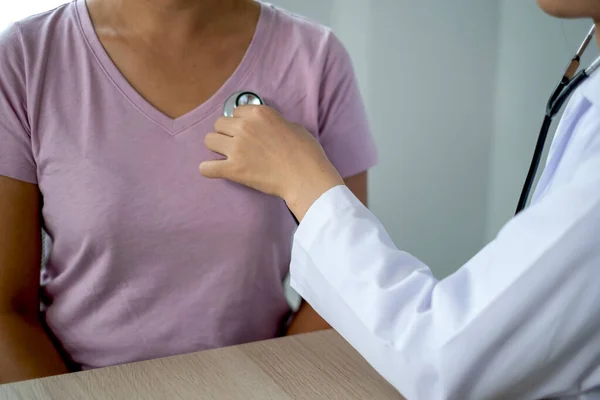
[303, 193]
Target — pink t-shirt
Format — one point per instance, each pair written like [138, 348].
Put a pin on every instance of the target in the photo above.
[150, 259]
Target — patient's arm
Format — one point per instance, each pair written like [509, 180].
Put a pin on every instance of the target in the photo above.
[307, 319]
[26, 351]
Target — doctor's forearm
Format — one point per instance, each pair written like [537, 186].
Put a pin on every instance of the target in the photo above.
[307, 319]
[463, 337]
[301, 197]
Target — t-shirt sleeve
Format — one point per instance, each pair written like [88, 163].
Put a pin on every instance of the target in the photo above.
[344, 130]
[16, 154]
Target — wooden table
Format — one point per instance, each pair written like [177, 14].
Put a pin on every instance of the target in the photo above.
[312, 366]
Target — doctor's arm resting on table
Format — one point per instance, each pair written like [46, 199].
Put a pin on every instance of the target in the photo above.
[520, 320]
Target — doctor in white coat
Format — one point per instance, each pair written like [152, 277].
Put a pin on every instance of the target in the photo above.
[521, 320]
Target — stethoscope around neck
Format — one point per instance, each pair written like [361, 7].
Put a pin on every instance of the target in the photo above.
[570, 81]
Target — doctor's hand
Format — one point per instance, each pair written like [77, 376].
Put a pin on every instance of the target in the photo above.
[269, 154]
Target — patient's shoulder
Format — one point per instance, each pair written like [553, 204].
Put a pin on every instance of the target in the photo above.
[27, 38]
[303, 36]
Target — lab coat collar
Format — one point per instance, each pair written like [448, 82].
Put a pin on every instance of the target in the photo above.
[591, 89]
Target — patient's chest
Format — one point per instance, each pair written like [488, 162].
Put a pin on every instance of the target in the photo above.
[128, 189]
[139, 236]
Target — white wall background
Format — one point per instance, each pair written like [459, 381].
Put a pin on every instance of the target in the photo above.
[432, 67]
[427, 71]
[455, 92]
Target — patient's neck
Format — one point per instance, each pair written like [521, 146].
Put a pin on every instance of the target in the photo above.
[178, 19]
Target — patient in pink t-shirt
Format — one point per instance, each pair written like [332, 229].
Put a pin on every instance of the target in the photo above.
[103, 111]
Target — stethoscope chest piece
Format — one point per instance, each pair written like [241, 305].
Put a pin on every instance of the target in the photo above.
[241, 99]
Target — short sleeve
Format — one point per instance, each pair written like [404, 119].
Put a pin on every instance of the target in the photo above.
[344, 130]
[16, 154]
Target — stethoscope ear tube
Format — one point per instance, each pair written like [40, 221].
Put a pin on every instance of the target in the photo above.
[566, 92]
[570, 81]
[559, 97]
[535, 162]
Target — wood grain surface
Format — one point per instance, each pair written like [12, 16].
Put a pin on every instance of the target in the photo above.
[312, 366]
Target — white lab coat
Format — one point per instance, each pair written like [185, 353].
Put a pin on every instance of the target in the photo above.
[520, 320]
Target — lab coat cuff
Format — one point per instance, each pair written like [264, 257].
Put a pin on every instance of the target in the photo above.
[329, 205]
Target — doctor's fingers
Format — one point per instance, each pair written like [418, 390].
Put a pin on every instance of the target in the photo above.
[226, 126]
[216, 169]
[237, 126]
[219, 143]
[251, 111]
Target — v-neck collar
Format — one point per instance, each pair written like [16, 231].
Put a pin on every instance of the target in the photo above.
[173, 126]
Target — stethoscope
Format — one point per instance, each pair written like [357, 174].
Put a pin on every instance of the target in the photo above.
[570, 81]
[241, 99]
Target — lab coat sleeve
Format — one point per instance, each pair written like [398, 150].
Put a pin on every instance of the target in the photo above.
[520, 320]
